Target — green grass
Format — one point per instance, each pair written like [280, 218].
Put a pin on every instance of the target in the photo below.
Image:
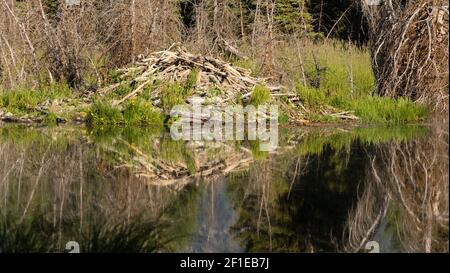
[103, 113]
[370, 109]
[339, 63]
[23, 101]
[172, 94]
[375, 109]
[140, 112]
[347, 83]
[191, 81]
[261, 95]
[312, 98]
[176, 93]
[123, 90]
[50, 119]
[248, 64]
[113, 76]
[137, 112]
[255, 148]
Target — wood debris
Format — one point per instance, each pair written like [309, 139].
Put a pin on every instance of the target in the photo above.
[176, 64]
[409, 44]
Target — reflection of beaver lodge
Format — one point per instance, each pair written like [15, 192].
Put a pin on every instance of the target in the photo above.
[409, 44]
[199, 160]
[206, 161]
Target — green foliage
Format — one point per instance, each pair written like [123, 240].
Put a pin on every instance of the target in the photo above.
[214, 92]
[345, 69]
[311, 97]
[341, 65]
[347, 83]
[176, 93]
[371, 109]
[283, 118]
[136, 113]
[261, 95]
[123, 90]
[257, 154]
[292, 16]
[172, 94]
[20, 101]
[148, 90]
[50, 119]
[102, 113]
[141, 113]
[191, 81]
[113, 76]
[386, 110]
[345, 15]
[249, 64]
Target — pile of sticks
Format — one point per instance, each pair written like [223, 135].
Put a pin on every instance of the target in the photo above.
[230, 83]
[175, 65]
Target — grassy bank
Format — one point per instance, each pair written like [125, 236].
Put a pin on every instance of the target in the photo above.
[135, 113]
[333, 80]
[336, 75]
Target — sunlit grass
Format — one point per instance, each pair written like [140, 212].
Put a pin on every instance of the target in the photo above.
[340, 75]
[385, 110]
[135, 113]
[140, 112]
[261, 95]
[24, 100]
[102, 113]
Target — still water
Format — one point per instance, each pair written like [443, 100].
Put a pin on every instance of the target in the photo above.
[324, 189]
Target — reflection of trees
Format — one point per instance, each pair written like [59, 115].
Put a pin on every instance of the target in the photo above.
[56, 189]
[343, 184]
[296, 204]
[414, 176]
[131, 192]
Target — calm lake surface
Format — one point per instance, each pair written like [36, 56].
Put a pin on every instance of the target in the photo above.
[324, 189]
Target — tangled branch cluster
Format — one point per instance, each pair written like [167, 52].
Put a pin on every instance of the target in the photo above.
[409, 43]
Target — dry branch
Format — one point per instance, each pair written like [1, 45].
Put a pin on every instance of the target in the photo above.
[175, 65]
[409, 44]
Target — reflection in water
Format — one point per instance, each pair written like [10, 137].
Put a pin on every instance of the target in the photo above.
[216, 217]
[58, 187]
[408, 188]
[298, 205]
[124, 190]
